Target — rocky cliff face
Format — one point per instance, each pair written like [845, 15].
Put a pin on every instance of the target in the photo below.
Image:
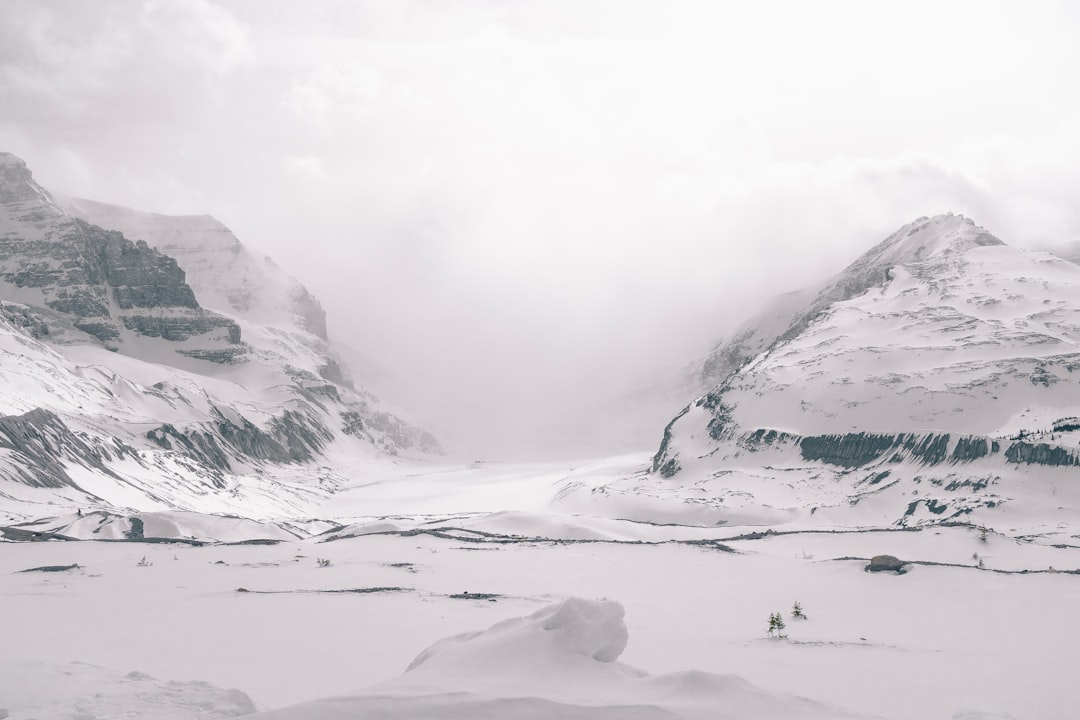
[227, 276]
[96, 280]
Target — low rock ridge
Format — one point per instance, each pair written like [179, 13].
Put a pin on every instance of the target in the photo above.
[863, 449]
[292, 437]
[40, 444]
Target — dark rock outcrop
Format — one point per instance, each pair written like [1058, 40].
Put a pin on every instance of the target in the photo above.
[667, 466]
[858, 449]
[848, 450]
[885, 563]
[52, 568]
[25, 319]
[1040, 454]
[293, 437]
[137, 531]
[41, 443]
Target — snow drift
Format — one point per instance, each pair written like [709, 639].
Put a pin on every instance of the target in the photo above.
[559, 662]
[47, 691]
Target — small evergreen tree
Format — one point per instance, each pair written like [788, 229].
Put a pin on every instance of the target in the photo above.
[797, 611]
[776, 625]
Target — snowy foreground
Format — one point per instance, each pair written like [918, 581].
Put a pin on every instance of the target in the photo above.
[534, 614]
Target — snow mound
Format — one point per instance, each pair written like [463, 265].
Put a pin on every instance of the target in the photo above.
[569, 631]
[46, 691]
[559, 663]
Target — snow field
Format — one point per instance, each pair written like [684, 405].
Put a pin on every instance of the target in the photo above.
[933, 643]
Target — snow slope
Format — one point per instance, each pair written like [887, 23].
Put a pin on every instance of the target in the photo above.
[49, 691]
[929, 380]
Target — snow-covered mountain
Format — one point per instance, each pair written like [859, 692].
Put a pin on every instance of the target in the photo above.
[118, 387]
[931, 378]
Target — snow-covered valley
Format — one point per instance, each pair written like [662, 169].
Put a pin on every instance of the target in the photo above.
[202, 516]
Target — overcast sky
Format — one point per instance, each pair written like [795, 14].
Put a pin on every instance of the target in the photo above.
[527, 209]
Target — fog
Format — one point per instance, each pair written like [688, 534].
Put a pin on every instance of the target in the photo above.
[524, 218]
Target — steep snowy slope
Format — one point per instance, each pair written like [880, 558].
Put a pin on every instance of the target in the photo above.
[117, 388]
[786, 315]
[931, 378]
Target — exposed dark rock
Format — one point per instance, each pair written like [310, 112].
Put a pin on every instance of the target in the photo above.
[396, 434]
[972, 483]
[971, 448]
[349, 591]
[1041, 376]
[104, 282]
[1040, 454]
[40, 444]
[875, 479]
[23, 317]
[1068, 424]
[353, 423]
[858, 449]
[301, 435]
[224, 356]
[670, 468]
[849, 450]
[293, 437]
[335, 373]
[136, 531]
[885, 563]
[931, 504]
[765, 437]
[660, 459]
[327, 390]
[52, 568]
[183, 327]
[200, 445]
[720, 427]
[23, 535]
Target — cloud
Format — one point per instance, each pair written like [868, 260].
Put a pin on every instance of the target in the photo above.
[533, 208]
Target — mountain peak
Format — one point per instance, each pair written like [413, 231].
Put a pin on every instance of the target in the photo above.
[20, 195]
[928, 237]
[8, 160]
[788, 315]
